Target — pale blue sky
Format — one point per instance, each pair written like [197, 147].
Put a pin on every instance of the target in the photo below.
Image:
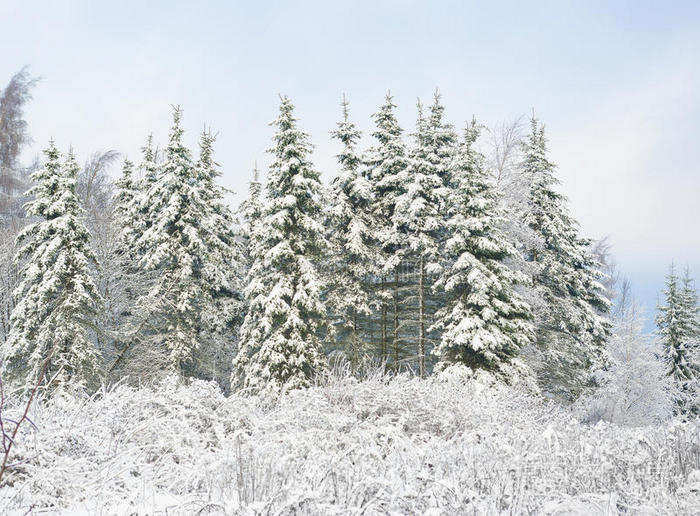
[617, 83]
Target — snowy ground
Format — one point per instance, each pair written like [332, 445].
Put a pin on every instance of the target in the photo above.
[381, 446]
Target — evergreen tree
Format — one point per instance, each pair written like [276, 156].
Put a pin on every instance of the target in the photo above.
[353, 256]
[571, 330]
[56, 298]
[441, 143]
[250, 212]
[222, 267]
[125, 202]
[387, 162]
[676, 323]
[126, 205]
[280, 345]
[484, 322]
[144, 203]
[254, 289]
[420, 209]
[690, 309]
[189, 244]
[149, 164]
[131, 313]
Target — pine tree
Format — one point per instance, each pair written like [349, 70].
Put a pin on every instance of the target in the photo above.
[387, 173]
[690, 309]
[250, 212]
[676, 323]
[572, 329]
[222, 266]
[280, 346]
[441, 143]
[149, 164]
[189, 244]
[126, 204]
[131, 313]
[254, 289]
[484, 322]
[56, 300]
[144, 202]
[126, 285]
[420, 209]
[353, 256]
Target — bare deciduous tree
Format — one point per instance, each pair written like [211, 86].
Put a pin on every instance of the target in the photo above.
[14, 135]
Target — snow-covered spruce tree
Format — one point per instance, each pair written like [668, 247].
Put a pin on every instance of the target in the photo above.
[149, 164]
[676, 323]
[691, 316]
[690, 309]
[56, 300]
[133, 326]
[222, 270]
[484, 322]
[189, 245]
[126, 206]
[250, 212]
[572, 329]
[280, 344]
[512, 183]
[420, 209]
[353, 256]
[116, 231]
[387, 163]
[143, 203]
[254, 289]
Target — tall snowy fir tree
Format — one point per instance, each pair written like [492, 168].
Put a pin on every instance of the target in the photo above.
[420, 208]
[691, 311]
[353, 255]
[250, 212]
[676, 322]
[280, 345]
[56, 300]
[189, 245]
[484, 322]
[572, 329]
[143, 203]
[130, 283]
[254, 290]
[149, 163]
[387, 163]
[221, 268]
[126, 205]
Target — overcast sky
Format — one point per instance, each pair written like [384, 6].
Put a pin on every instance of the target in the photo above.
[616, 83]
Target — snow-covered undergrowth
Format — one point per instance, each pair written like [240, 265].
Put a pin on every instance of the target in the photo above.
[382, 445]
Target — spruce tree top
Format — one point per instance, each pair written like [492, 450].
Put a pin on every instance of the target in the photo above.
[293, 186]
[57, 294]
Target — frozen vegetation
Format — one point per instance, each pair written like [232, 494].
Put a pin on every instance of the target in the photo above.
[192, 358]
[449, 444]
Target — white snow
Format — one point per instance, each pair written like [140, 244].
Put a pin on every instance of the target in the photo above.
[452, 444]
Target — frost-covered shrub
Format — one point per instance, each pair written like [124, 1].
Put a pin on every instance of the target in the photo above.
[382, 444]
[634, 387]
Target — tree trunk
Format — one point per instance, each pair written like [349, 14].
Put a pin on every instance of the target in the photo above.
[385, 347]
[354, 341]
[396, 318]
[421, 318]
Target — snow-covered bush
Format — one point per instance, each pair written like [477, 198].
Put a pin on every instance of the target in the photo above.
[382, 444]
[635, 388]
